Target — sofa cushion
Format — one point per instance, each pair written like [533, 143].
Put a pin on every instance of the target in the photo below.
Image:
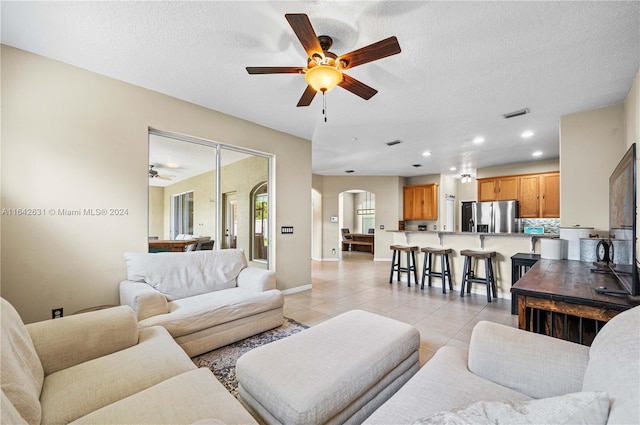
[192, 397]
[8, 413]
[74, 392]
[22, 375]
[183, 274]
[443, 383]
[575, 408]
[614, 366]
[193, 314]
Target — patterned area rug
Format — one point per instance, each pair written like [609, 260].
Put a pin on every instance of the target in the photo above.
[222, 361]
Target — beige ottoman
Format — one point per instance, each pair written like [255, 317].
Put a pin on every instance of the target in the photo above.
[339, 371]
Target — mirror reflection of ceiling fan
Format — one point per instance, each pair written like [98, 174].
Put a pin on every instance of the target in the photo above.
[153, 174]
[324, 69]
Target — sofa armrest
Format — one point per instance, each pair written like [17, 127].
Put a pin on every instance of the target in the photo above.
[145, 300]
[257, 280]
[536, 365]
[75, 339]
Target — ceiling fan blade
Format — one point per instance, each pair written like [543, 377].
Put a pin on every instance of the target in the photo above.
[274, 69]
[304, 31]
[381, 49]
[356, 87]
[307, 97]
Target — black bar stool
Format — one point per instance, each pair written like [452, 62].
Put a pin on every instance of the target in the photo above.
[411, 262]
[468, 274]
[445, 268]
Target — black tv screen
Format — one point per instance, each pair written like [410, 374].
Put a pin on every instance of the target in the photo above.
[622, 221]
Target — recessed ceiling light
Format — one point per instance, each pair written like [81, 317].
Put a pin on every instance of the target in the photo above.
[452, 169]
[527, 134]
[537, 153]
[426, 153]
[478, 140]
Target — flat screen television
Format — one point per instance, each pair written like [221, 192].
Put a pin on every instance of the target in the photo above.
[622, 222]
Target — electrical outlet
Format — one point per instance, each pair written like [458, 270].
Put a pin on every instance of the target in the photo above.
[57, 313]
[333, 251]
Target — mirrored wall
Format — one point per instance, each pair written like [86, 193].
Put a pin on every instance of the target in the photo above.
[205, 195]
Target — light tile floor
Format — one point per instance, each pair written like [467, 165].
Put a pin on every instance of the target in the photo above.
[358, 282]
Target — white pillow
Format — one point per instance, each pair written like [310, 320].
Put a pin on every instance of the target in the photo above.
[575, 408]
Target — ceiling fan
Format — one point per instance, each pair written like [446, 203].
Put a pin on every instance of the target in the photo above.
[153, 174]
[324, 69]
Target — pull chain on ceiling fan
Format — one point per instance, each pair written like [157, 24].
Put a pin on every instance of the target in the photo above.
[325, 69]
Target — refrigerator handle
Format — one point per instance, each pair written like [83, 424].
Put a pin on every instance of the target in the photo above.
[492, 227]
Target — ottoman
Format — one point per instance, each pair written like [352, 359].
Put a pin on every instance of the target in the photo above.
[339, 371]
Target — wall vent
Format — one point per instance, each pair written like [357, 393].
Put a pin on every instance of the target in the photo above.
[516, 113]
[395, 142]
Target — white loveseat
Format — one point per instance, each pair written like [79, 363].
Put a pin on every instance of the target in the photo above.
[98, 368]
[205, 299]
[512, 376]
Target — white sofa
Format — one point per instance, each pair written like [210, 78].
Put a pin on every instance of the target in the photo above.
[98, 368]
[513, 376]
[205, 299]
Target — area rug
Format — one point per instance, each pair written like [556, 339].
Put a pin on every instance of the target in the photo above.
[222, 361]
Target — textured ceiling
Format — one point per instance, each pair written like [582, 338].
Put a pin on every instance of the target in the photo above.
[462, 65]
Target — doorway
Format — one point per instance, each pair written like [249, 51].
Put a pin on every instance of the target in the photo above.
[357, 222]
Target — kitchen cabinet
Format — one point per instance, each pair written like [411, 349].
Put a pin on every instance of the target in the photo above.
[540, 195]
[420, 202]
[505, 188]
[530, 196]
[550, 195]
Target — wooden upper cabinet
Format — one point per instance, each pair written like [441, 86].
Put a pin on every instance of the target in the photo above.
[486, 190]
[550, 195]
[420, 202]
[498, 189]
[508, 188]
[530, 196]
[539, 194]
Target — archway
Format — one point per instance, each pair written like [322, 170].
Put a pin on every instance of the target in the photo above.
[357, 221]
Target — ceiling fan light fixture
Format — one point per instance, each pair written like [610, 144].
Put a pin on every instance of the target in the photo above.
[323, 78]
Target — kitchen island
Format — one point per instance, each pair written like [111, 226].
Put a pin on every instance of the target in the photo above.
[505, 245]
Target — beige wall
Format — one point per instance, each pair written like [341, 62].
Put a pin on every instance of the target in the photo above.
[73, 139]
[591, 145]
[632, 113]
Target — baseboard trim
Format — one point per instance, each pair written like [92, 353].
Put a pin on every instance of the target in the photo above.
[296, 289]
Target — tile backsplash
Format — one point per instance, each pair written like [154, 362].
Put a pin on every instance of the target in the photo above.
[550, 225]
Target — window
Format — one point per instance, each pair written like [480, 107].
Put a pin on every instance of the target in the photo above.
[182, 214]
[260, 222]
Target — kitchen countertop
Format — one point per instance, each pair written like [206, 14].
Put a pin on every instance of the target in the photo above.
[512, 235]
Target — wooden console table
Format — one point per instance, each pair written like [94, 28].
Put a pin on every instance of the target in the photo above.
[558, 298]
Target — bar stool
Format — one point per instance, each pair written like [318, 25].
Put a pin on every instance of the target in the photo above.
[468, 274]
[445, 269]
[411, 262]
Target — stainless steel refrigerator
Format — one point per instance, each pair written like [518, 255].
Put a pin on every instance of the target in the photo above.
[496, 217]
